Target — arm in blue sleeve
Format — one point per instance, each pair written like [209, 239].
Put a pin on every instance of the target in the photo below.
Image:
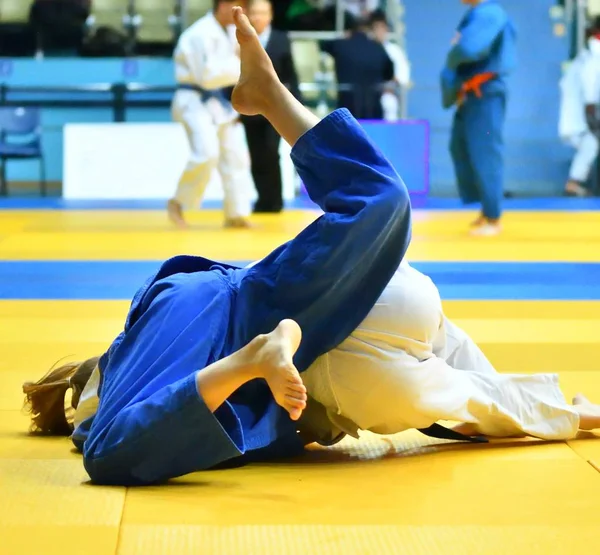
[450, 86]
[122, 449]
[329, 277]
[477, 38]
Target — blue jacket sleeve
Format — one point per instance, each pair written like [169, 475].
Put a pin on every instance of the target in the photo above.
[450, 85]
[169, 434]
[478, 36]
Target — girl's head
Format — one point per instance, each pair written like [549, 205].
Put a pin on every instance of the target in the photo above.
[47, 402]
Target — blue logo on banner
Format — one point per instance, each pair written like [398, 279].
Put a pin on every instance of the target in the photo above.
[6, 67]
[130, 68]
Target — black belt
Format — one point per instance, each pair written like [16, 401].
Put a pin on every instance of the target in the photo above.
[204, 93]
[440, 432]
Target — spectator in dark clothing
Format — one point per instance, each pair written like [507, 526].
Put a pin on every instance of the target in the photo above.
[362, 68]
[59, 24]
[263, 140]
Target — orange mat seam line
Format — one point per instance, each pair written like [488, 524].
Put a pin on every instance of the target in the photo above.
[120, 527]
[594, 465]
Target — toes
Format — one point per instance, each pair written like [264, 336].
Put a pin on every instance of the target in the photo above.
[295, 402]
[295, 414]
[293, 378]
[242, 22]
[297, 389]
[297, 397]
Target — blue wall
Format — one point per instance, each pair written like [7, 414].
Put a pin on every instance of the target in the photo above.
[411, 162]
[536, 160]
[73, 72]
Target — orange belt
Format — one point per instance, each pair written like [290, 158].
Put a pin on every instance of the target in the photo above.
[474, 84]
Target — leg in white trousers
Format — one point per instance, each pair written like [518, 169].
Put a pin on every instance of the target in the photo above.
[234, 167]
[212, 146]
[407, 366]
[202, 134]
[587, 146]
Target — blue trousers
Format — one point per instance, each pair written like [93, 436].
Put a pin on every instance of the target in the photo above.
[477, 150]
[151, 424]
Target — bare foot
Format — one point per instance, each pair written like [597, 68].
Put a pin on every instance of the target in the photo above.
[274, 358]
[486, 229]
[258, 76]
[175, 211]
[575, 189]
[238, 223]
[479, 221]
[589, 413]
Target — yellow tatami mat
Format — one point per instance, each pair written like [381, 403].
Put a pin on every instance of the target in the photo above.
[406, 494]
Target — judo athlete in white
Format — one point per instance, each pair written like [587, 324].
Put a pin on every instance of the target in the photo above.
[407, 366]
[579, 124]
[206, 62]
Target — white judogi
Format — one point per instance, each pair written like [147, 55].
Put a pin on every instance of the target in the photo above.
[206, 57]
[580, 86]
[389, 100]
[407, 366]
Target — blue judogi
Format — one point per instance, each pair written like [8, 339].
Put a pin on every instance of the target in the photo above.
[486, 46]
[152, 424]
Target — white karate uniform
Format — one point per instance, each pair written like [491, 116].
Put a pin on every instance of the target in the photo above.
[206, 57]
[407, 366]
[389, 100]
[580, 86]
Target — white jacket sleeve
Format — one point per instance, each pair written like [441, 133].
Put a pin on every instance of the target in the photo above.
[590, 80]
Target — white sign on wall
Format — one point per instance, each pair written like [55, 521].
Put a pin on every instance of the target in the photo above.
[111, 161]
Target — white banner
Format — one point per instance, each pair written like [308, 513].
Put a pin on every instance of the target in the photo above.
[137, 161]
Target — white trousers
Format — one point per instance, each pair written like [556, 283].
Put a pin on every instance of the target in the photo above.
[215, 143]
[407, 366]
[587, 147]
[391, 106]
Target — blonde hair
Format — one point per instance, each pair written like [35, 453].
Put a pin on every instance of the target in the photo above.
[45, 400]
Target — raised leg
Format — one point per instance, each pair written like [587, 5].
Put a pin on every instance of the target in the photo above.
[329, 277]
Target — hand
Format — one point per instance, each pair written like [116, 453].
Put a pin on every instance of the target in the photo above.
[456, 39]
[591, 117]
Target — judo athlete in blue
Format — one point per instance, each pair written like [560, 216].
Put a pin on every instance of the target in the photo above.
[474, 80]
[207, 368]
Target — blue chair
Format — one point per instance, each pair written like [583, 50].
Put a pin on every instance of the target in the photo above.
[24, 125]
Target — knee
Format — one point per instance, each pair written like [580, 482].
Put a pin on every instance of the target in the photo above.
[202, 164]
[236, 162]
